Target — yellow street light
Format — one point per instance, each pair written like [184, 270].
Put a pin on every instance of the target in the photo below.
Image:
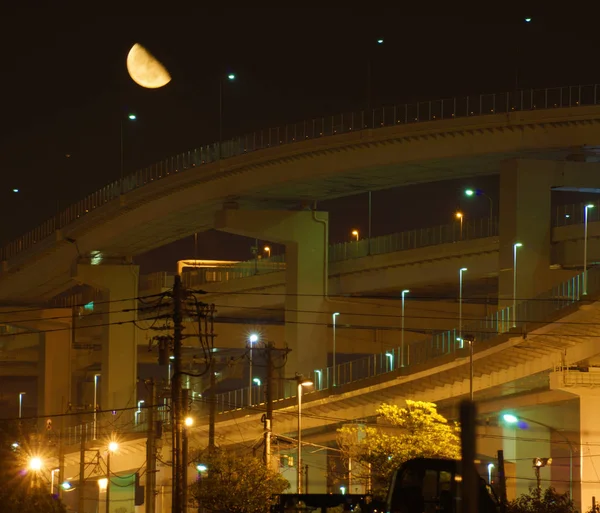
[460, 217]
[189, 421]
[267, 250]
[35, 463]
[355, 234]
[113, 446]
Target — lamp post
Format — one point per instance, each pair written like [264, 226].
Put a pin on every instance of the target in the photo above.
[471, 340]
[112, 447]
[379, 42]
[21, 394]
[333, 317]
[459, 216]
[131, 117]
[585, 247]
[355, 233]
[516, 246]
[460, 291]
[230, 77]
[302, 382]
[390, 357]
[35, 466]
[258, 383]
[267, 250]
[478, 192]
[95, 434]
[510, 418]
[404, 292]
[252, 339]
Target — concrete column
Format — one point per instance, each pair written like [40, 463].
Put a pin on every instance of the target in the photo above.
[118, 379]
[305, 235]
[525, 217]
[54, 383]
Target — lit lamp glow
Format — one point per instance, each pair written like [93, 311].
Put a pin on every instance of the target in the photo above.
[35, 464]
[355, 233]
[189, 421]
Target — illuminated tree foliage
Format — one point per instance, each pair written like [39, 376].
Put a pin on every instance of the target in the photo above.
[235, 483]
[415, 431]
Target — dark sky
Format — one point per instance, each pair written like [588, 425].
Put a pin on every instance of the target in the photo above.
[65, 89]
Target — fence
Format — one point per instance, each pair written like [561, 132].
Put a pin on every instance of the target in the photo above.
[528, 315]
[446, 108]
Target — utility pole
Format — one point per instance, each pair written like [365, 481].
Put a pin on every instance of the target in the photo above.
[212, 407]
[185, 396]
[269, 404]
[502, 481]
[151, 452]
[81, 493]
[176, 406]
[61, 455]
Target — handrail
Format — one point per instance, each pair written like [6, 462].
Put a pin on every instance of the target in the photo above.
[442, 109]
[529, 315]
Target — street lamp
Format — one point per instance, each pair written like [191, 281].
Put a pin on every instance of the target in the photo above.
[302, 382]
[379, 42]
[189, 421]
[112, 447]
[460, 216]
[585, 247]
[516, 246]
[391, 359]
[267, 250]
[230, 77]
[333, 316]
[404, 292]
[21, 394]
[139, 410]
[131, 117]
[521, 422]
[354, 233]
[460, 292]
[96, 376]
[252, 339]
[478, 192]
[489, 468]
[35, 465]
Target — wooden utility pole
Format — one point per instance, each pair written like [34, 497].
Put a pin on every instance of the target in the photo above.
[184, 455]
[268, 426]
[151, 452]
[176, 406]
[467, 438]
[502, 481]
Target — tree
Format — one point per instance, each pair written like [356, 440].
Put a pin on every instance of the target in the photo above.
[537, 502]
[417, 430]
[234, 483]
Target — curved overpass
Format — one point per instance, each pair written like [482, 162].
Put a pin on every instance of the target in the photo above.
[431, 141]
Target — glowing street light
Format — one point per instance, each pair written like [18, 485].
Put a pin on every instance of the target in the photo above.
[478, 192]
[35, 463]
[302, 382]
[201, 468]
[333, 317]
[21, 394]
[257, 382]
[404, 292]
[460, 216]
[390, 356]
[380, 41]
[516, 246]
[527, 20]
[252, 339]
[189, 421]
[267, 250]
[354, 233]
[585, 247]
[230, 77]
[460, 291]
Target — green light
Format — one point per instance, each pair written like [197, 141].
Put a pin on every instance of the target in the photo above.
[380, 41]
[66, 485]
[510, 418]
[257, 381]
[201, 468]
[133, 117]
[469, 192]
[231, 76]
[527, 20]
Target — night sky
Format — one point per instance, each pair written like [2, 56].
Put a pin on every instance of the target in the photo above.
[65, 90]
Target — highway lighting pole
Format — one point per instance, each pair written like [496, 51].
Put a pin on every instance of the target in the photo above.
[509, 418]
[231, 78]
[516, 246]
[460, 293]
[585, 248]
[21, 394]
[131, 117]
[252, 339]
[404, 292]
[459, 216]
[95, 433]
[333, 317]
[478, 192]
[302, 382]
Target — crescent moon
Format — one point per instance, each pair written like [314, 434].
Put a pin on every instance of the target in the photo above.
[145, 70]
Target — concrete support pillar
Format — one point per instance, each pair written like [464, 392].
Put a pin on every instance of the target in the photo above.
[54, 383]
[118, 379]
[588, 455]
[305, 235]
[525, 217]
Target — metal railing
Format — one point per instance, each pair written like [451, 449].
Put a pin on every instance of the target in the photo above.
[574, 213]
[441, 109]
[529, 315]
